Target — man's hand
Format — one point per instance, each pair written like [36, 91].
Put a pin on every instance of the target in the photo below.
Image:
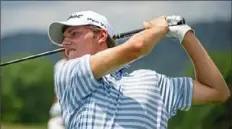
[157, 22]
[177, 31]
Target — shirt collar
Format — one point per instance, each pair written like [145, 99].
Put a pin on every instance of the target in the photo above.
[119, 73]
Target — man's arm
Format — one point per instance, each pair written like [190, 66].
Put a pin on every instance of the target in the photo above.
[137, 46]
[209, 86]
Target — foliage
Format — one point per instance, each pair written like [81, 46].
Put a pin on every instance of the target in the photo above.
[20, 126]
[27, 91]
[210, 116]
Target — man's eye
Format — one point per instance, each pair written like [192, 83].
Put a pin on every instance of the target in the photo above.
[75, 33]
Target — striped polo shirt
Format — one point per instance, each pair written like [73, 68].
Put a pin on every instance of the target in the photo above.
[142, 99]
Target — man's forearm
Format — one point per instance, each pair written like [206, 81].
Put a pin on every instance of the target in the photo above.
[206, 71]
[137, 46]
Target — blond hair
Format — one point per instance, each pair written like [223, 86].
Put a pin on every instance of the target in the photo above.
[110, 42]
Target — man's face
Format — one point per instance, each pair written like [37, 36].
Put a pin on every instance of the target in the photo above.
[78, 41]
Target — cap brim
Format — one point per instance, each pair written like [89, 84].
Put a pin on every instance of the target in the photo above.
[55, 31]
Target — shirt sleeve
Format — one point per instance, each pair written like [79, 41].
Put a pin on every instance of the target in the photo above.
[74, 80]
[176, 93]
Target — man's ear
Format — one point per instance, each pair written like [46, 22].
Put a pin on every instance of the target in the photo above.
[102, 36]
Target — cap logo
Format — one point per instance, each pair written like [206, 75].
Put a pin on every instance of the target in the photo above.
[96, 21]
[75, 16]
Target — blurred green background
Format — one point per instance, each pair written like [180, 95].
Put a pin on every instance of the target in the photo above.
[27, 88]
[27, 95]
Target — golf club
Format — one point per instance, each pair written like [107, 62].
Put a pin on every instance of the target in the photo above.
[117, 36]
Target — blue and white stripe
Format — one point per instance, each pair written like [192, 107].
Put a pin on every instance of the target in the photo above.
[142, 99]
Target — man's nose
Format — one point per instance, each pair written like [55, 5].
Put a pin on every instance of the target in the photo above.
[66, 42]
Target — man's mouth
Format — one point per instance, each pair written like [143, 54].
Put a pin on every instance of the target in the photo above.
[70, 51]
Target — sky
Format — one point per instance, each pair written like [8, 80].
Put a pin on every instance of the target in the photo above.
[19, 16]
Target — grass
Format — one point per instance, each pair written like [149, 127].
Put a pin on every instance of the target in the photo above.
[20, 126]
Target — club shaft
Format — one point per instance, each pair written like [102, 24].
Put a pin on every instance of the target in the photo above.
[33, 56]
[117, 36]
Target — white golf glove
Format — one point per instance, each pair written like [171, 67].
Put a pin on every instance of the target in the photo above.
[177, 31]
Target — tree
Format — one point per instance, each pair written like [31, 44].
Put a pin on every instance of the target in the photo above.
[27, 91]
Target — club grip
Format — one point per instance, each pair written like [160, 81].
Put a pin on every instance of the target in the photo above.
[181, 22]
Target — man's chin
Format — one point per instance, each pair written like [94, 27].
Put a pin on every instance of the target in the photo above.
[73, 56]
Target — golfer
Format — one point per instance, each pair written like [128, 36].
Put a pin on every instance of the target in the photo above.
[96, 92]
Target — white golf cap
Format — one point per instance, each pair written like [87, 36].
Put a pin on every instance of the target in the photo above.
[55, 29]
